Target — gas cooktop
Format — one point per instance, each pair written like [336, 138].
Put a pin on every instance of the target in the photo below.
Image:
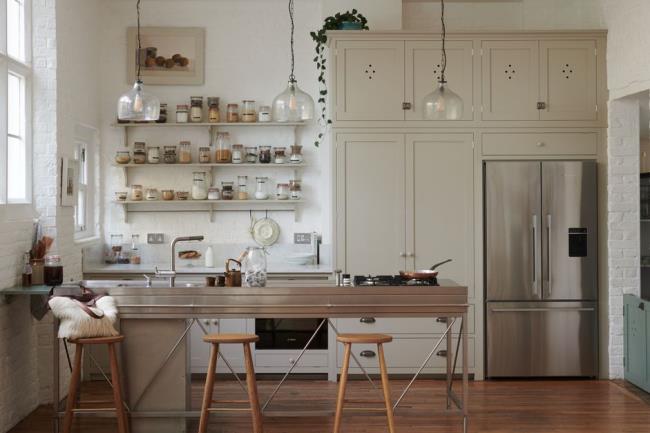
[391, 280]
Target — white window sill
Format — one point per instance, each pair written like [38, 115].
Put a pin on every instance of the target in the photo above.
[86, 241]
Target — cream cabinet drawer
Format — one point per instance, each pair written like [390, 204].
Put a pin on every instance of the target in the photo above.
[551, 143]
[404, 353]
[285, 358]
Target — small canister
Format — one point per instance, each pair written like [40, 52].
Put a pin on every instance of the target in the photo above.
[264, 114]
[182, 113]
[232, 113]
[214, 194]
[238, 153]
[139, 152]
[233, 276]
[153, 154]
[204, 155]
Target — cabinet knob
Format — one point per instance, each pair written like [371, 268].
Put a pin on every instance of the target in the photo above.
[410, 254]
[406, 105]
[367, 320]
[541, 105]
[441, 319]
[215, 322]
[368, 354]
[402, 254]
[441, 353]
[540, 144]
[292, 361]
[206, 322]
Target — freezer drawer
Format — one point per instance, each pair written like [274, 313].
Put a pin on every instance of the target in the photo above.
[542, 339]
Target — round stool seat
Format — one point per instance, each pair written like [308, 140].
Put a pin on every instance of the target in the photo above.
[98, 340]
[231, 338]
[364, 338]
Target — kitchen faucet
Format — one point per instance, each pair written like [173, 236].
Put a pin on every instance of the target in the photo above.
[171, 274]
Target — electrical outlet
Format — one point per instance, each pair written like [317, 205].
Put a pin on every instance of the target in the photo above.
[302, 238]
[155, 238]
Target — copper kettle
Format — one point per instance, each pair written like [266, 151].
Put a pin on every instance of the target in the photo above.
[233, 276]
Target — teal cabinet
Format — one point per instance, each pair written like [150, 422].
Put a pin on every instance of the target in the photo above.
[637, 341]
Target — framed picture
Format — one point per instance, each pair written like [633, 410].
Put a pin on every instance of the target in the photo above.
[169, 55]
[69, 182]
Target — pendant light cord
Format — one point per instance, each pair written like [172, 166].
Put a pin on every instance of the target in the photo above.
[443, 79]
[139, 41]
[292, 77]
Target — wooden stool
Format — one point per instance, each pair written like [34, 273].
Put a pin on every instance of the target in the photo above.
[75, 379]
[348, 340]
[246, 340]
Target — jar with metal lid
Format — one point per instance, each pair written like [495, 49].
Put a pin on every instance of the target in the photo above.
[151, 194]
[282, 191]
[122, 157]
[242, 184]
[136, 192]
[264, 114]
[227, 191]
[169, 154]
[296, 154]
[260, 192]
[265, 154]
[162, 118]
[248, 113]
[232, 113]
[238, 153]
[295, 189]
[200, 185]
[214, 194]
[204, 155]
[167, 194]
[185, 152]
[251, 154]
[139, 152]
[223, 153]
[53, 271]
[280, 156]
[153, 154]
[182, 113]
[213, 110]
[196, 109]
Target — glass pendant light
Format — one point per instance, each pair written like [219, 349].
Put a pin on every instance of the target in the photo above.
[136, 104]
[443, 103]
[292, 105]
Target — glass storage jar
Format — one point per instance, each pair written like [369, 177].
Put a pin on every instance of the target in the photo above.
[185, 152]
[153, 154]
[169, 154]
[162, 118]
[136, 192]
[232, 113]
[238, 153]
[282, 191]
[204, 155]
[213, 110]
[264, 114]
[167, 194]
[279, 155]
[182, 114]
[199, 185]
[196, 110]
[265, 154]
[242, 184]
[223, 153]
[53, 271]
[251, 154]
[296, 154]
[139, 152]
[122, 157]
[295, 189]
[151, 194]
[254, 267]
[260, 192]
[227, 190]
[214, 194]
[248, 113]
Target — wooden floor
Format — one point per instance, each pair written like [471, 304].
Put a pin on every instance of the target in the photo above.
[512, 406]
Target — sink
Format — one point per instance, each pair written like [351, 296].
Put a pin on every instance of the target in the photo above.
[106, 284]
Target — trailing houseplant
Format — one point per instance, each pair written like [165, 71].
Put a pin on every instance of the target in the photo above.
[347, 21]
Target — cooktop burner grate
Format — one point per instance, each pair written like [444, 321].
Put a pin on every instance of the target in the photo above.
[391, 280]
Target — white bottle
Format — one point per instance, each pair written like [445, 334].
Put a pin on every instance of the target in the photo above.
[209, 258]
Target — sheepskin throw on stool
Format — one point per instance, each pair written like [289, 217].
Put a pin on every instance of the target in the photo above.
[76, 323]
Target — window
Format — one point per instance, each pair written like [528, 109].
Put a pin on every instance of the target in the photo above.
[85, 214]
[15, 104]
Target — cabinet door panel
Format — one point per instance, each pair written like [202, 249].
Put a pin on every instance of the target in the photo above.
[568, 80]
[423, 69]
[370, 202]
[443, 201]
[370, 80]
[510, 80]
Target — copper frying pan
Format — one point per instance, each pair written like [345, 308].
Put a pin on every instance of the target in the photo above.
[424, 274]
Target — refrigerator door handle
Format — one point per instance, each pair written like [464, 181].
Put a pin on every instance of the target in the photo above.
[549, 261]
[526, 310]
[534, 255]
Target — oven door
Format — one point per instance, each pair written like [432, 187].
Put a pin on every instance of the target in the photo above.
[290, 333]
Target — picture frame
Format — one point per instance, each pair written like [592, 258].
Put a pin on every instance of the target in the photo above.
[69, 182]
[169, 55]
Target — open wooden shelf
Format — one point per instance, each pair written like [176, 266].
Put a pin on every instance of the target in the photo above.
[204, 124]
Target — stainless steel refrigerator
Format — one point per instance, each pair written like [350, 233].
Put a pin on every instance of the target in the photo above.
[541, 269]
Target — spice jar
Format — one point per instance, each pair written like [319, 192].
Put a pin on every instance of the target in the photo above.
[182, 195]
[153, 155]
[251, 155]
[213, 110]
[265, 154]
[136, 192]
[232, 113]
[264, 114]
[185, 152]
[237, 153]
[53, 271]
[204, 155]
[196, 110]
[139, 152]
[167, 194]
[214, 194]
[242, 183]
[282, 191]
[223, 153]
[182, 115]
[200, 185]
[260, 192]
[162, 118]
[151, 194]
[248, 113]
[295, 190]
[121, 195]
[296, 154]
[169, 154]
[122, 157]
[227, 191]
[279, 155]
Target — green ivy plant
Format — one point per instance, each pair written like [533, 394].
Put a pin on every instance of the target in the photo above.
[320, 37]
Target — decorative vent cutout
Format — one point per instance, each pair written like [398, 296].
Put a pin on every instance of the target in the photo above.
[370, 72]
[567, 71]
[510, 72]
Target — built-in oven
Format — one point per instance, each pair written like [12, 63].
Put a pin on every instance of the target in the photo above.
[290, 333]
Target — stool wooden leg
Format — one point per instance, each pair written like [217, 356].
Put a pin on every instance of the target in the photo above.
[251, 384]
[386, 388]
[343, 382]
[122, 422]
[209, 385]
[75, 378]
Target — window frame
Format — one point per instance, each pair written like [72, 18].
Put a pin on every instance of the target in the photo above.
[87, 137]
